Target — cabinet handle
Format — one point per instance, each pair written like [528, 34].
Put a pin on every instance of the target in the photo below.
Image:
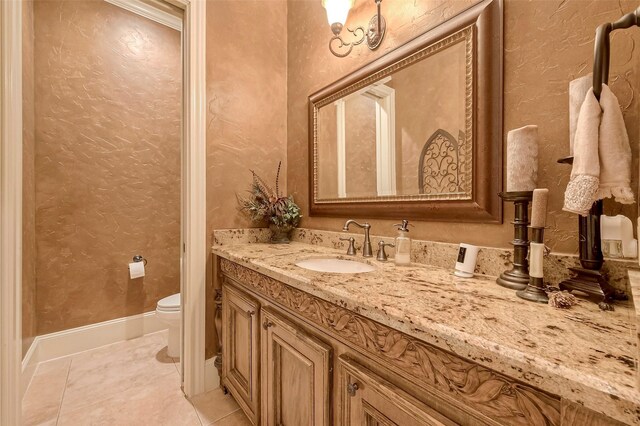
[267, 324]
[352, 388]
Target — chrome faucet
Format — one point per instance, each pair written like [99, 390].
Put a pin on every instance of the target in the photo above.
[367, 251]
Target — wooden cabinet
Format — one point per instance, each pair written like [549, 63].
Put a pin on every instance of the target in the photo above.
[269, 359]
[367, 399]
[576, 415]
[292, 359]
[240, 342]
[295, 374]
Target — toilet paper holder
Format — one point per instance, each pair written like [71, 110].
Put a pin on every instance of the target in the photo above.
[139, 258]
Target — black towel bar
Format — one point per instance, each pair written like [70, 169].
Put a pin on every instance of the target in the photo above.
[588, 279]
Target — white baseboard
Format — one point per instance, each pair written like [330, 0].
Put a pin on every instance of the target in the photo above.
[29, 364]
[68, 342]
[211, 377]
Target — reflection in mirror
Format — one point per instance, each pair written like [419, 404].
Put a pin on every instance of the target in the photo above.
[407, 135]
[416, 133]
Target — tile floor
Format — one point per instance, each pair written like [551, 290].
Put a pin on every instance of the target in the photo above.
[130, 383]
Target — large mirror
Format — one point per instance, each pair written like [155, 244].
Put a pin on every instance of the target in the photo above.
[417, 133]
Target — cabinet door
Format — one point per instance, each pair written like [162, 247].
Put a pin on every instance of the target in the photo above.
[366, 399]
[295, 375]
[240, 350]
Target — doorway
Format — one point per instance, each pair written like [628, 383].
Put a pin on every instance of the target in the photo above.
[192, 234]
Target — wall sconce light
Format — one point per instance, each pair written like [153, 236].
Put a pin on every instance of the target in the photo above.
[337, 12]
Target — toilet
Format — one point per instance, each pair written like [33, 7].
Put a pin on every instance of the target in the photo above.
[168, 311]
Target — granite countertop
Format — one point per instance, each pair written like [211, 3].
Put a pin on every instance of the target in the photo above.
[582, 354]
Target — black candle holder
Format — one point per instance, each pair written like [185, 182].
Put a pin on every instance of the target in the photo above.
[535, 290]
[517, 278]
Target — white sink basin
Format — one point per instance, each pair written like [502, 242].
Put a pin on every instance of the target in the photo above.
[337, 266]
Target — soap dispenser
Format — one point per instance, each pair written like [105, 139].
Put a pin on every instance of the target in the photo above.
[403, 244]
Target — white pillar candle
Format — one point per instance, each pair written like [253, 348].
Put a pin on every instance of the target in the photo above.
[536, 260]
[522, 159]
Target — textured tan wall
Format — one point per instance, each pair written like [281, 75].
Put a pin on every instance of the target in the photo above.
[430, 95]
[441, 81]
[360, 147]
[247, 109]
[28, 182]
[547, 44]
[108, 112]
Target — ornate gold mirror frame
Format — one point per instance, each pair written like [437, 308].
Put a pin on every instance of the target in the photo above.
[480, 28]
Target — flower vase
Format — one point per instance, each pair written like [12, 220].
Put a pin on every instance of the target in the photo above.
[281, 234]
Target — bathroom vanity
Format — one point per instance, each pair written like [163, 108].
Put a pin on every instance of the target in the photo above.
[412, 346]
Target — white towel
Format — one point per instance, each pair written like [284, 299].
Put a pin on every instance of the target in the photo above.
[615, 152]
[578, 89]
[602, 156]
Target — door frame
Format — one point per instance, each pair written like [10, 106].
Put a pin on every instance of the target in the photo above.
[10, 210]
[193, 203]
[193, 270]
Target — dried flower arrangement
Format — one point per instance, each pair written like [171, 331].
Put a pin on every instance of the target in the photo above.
[266, 204]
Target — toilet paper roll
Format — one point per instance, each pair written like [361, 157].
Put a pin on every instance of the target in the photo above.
[136, 270]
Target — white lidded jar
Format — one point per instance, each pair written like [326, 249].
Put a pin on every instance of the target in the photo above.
[403, 244]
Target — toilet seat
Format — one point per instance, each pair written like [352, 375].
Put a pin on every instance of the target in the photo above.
[170, 303]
